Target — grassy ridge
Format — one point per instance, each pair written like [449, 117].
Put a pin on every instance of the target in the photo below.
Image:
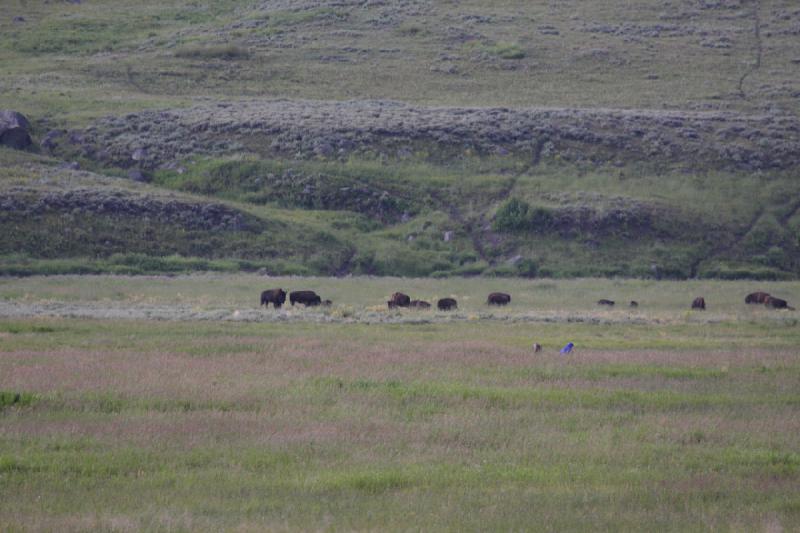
[573, 54]
[365, 217]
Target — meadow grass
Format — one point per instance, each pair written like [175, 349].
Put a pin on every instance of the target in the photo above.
[673, 423]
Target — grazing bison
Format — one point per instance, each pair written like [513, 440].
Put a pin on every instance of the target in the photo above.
[307, 298]
[399, 300]
[446, 304]
[420, 304]
[327, 303]
[276, 297]
[537, 347]
[634, 303]
[498, 298]
[756, 298]
[605, 302]
[777, 303]
[699, 303]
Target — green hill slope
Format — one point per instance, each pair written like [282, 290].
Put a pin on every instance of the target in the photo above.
[404, 138]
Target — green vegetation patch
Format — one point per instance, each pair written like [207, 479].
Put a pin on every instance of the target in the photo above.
[508, 398]
[16, 399]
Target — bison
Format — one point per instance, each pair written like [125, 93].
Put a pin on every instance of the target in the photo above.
[537, 347]
[634, 303]
[605, 302]
[307, 298]
[498, 298]
[276, 297]
[419, 304]
[446, 304]
[756, 298]
[699, 303]
[399, 300]
[777, 303]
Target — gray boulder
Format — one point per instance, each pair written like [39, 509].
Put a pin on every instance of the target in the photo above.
[14, 130]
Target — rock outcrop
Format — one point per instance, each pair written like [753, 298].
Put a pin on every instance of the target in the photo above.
[14, 130]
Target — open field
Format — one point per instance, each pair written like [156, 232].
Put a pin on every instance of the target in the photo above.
[363, 299]
[662, 418]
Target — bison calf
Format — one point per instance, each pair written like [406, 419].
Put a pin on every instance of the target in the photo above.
[276, 297]
[778, 303]
[420, 304]
[446, 304]
[498, 298]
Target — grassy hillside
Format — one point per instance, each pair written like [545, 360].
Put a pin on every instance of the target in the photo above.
[385, 138]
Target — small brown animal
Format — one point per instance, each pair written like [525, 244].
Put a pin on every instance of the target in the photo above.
[399, 300]
[634, 303]
[699, 303]
[446, 304]
[605, 302]
[537, 347]
[756, 298]
[778, 303]
[498, 298]
[327, 303]
[419, 304]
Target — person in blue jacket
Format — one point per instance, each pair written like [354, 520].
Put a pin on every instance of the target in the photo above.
[567, 348]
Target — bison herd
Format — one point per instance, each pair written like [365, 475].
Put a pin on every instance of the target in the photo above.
[277, 297]
[770, 301]
[403, 300]
[753, 298]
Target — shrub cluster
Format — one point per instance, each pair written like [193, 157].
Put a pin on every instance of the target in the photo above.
[517, 215]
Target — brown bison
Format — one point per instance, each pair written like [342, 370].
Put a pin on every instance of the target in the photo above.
[605, 302]
[399, 300]
[634, 303]
[276, 297]
[419, 304]
[307, 298]
[446, 304]
[327, 303]
[699, 303]
[777, 303]
[756, 298]
[498, 298]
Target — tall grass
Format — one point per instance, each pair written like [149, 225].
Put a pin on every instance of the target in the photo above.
[439, 426]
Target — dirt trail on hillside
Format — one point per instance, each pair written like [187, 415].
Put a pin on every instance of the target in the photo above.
[758, 49]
